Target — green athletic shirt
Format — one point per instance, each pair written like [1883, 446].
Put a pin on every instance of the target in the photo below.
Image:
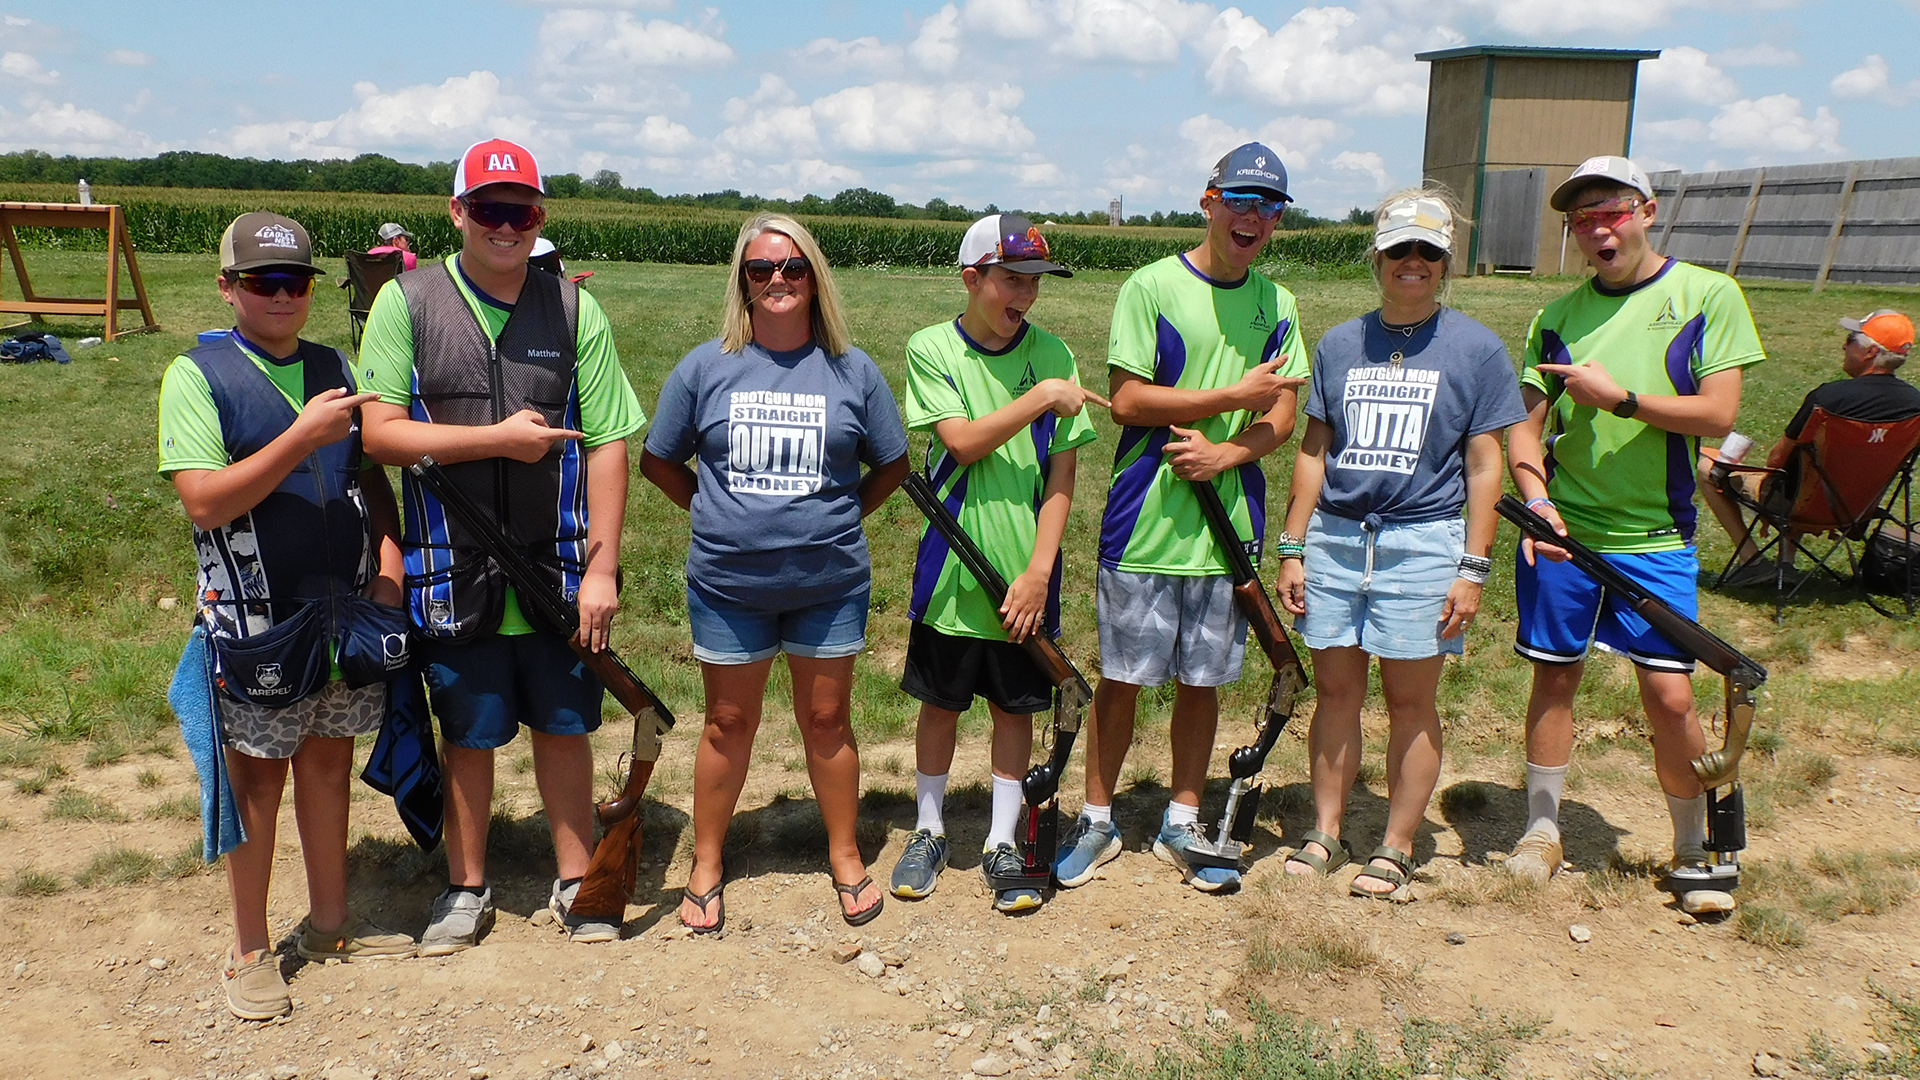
[1176, 327]
[1624, 485]
[996, 499]
[190, 436]
[608, 408]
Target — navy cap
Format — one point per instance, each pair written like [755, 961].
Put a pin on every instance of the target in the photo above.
[1251, 167]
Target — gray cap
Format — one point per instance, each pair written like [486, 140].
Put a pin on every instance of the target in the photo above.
[392, 229]
[266, 241]
[1607, 168]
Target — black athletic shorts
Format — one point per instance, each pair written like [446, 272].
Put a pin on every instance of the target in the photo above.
[948, 671]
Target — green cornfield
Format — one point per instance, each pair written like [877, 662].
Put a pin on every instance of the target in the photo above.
[190, 221]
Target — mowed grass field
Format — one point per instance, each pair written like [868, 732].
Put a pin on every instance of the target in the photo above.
[93, 541]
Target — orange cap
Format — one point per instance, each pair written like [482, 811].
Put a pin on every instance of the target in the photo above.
[1886, 328]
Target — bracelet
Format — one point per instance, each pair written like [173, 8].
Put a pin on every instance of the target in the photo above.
[1539, 499]
[1475, 568]
[1289, 546]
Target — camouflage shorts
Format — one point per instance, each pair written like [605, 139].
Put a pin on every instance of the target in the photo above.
[332, 712]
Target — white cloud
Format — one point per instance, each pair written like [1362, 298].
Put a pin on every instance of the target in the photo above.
[1687, 73]
[1775, 124]
[1761, 55]
[65, 128]
[1015, 19]
[937, 48]
[909, 118]
[1304, 62]
[647, 5]
[1294, 138]
[860, 54]
[1132, 31]
[27, 68]
[1366, 162]
[601, 41]
[1872, 80]
[449, 116]
[1038, 174]
[1683, 130]
[660, 135]
[130, 58]
[1533, 18]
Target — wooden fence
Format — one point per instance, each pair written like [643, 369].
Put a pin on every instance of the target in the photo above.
[1847, 221]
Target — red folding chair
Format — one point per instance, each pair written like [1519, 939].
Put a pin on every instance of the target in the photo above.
[1841, 483]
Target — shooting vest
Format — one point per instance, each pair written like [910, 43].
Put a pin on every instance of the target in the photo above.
[306, 541]
[461, 376]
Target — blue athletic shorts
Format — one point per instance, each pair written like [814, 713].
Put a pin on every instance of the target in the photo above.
[1561, 612]
[1390, 606]
[483, 690]
[728, 633]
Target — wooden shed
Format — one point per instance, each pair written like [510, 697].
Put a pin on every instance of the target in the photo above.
[1507, 123]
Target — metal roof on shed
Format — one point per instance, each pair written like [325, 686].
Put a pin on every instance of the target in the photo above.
[1532, 53]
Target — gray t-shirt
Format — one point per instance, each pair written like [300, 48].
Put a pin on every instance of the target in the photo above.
[1400, 430]
[780, 439]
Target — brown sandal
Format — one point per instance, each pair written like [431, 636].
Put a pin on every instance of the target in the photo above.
[717, 894]
[852, 892]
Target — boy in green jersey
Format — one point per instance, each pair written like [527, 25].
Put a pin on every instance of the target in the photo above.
[1003, 400]
[1204, 359]
[1621, 378]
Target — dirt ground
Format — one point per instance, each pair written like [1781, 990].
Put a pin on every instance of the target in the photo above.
[121, 980]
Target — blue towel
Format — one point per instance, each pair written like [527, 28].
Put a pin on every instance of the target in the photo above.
[405, 762]
[191, 696]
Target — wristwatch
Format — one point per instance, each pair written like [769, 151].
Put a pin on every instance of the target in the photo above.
[1628, 407]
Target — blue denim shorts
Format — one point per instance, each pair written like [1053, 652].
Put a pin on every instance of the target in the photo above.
[1392, 612]
[725, 632]
[484, 689]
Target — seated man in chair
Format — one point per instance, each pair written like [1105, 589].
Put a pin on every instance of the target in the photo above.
[1874, 348]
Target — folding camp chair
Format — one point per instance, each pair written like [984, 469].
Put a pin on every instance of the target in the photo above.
[365, 275]
[1841, 483]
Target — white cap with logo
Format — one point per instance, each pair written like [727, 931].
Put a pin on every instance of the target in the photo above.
[1607, 167]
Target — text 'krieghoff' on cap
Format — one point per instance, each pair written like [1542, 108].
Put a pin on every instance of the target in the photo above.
[263, 240]
[1251, 168]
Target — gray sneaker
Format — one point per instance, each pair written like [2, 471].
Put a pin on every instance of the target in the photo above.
[1004, 861]
[579, 927]
[918, 870]
[458, 921]
[1082, 851]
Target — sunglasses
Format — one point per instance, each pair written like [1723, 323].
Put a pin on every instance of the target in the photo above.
[1606, 215]
[295, 285]
[520, 217]
[761, 271]
[1267, 208]
[1404, 248]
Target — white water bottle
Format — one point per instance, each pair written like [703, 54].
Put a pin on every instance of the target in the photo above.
[1732, 449]
[86, 194]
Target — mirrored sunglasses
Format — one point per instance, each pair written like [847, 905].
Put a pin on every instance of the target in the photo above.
[1267, 208]
[295, 285]
[520, 217]
[1405, 248]
[761, 271]
[1606, 215]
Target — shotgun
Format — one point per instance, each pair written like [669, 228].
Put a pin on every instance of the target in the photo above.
[1041, 786]
[1235, 832]
[609, 882]
[1717, 770]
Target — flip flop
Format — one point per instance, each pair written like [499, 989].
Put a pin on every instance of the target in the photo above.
[1341, 853]
[852, 892]
[701, 901]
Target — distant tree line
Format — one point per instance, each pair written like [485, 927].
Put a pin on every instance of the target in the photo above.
[379, 174]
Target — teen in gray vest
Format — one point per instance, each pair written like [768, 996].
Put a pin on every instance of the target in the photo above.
[511, 381]
[258, 435]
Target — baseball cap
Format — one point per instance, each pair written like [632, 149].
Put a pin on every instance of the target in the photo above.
[495, 161]
[1251, 167]
[1607, 167]
[1008, 240]
[392, 229]
[1886, 327]
[1416, 217]
[263, 240]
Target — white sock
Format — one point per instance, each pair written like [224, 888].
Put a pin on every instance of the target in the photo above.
[1182, 814]
[1689, 823]
[1544, 785]
[929, 793]
[1099, 815]
[1007, 797]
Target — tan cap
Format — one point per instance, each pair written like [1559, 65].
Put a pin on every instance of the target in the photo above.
[263, 240]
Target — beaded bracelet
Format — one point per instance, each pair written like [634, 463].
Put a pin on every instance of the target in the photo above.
[1539, 499]
[1475, 568]
[1289, 546]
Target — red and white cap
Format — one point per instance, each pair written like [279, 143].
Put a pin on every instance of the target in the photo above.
[495, 161]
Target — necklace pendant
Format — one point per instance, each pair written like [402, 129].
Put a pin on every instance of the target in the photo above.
[1396, 358]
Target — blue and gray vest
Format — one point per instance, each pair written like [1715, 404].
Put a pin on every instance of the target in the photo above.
[308, 540]
[460, 376]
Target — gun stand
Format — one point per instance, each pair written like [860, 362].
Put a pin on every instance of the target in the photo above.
[1234, 833]
[1726, 838]
[1041, 786]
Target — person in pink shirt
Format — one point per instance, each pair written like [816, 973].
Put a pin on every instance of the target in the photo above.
[395, 237]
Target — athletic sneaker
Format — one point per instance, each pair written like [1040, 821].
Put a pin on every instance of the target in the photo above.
[1693, 863]
[255, 989]
[918, 870]
[580, 928]
[458, 921]
[1004, 860]
[1537, 857]
[1171, 847]
[359, 939]
[1086, 847]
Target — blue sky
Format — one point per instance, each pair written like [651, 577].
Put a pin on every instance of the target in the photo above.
[1045, 104]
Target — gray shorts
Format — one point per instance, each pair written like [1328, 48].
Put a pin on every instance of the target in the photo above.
[332, 712]
[1155, 627]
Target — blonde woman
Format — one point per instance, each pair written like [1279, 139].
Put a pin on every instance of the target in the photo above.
[1403, 431]
[761, 434]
